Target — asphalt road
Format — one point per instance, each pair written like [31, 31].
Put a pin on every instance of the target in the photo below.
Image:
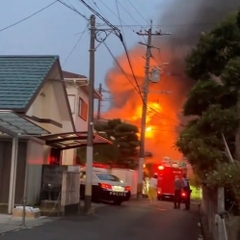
[133, 220]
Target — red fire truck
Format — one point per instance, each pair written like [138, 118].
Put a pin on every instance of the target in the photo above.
[166, 178]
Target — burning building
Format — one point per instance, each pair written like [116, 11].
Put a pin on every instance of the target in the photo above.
[185, 20]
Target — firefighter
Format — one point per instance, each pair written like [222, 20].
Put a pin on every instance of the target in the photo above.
[178, 186]
[152, 190]
[187, 190]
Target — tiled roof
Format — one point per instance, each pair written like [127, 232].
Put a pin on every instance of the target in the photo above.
[20, 78]
[72, 75]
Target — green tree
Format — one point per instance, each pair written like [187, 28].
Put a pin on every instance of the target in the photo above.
[214, 65]
[214, 105]
[123, 150]
[214, 50]
[206, 93]
[238, 19]
[231, 79]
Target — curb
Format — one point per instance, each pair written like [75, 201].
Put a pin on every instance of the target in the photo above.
[10, 230]
[20, 227]
[15, 229]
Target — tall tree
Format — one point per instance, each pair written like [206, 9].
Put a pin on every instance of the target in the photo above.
[214, 50]
[123, 151]
[231, 79]
[213, 64]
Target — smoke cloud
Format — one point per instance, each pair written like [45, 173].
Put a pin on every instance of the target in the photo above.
[185, 20]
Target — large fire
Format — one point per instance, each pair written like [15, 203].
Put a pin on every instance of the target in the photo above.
[162, 116]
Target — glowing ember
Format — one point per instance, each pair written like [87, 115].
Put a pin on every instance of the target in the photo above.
[152, 109]
[149, 132]
[148, 129]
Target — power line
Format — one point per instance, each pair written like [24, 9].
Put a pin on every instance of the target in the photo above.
[137, 11]
[120, 19]
[126, 51]
[130, 15]
[161, 115]
[119, 35]
[125, 24]
[116, 61]
[130, 65]
[97, 6]
[166, 25]
[76, 44]
[135, 88]
[140, 16]
[138, 87]
[115, 29]
[26, 18]
[119, 16]
[72, 8]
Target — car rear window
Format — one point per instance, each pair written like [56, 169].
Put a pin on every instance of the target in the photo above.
[108, 177]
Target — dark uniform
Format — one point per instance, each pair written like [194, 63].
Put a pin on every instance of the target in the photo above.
[177, 192]
[187, 191]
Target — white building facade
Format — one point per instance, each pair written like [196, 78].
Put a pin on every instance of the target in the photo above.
[77, 91]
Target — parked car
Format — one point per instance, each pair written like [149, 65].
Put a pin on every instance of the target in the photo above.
[106, 186]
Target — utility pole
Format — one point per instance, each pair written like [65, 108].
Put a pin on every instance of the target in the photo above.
[99, 102]
[149, 46]
[89, 157]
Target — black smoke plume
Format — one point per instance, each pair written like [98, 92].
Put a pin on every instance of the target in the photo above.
[186, 20]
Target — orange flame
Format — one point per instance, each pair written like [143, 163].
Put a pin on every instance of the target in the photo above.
[161, 121]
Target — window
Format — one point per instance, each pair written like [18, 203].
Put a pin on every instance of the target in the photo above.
[108, 177]
[82, 109]
[71, 100]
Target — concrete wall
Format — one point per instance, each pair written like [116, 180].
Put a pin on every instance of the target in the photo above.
[70, 188]
[34, 171]
[128, 176]
[51, 104]
[45, 106]
[46, 154]
[69, 156]
[74, 93]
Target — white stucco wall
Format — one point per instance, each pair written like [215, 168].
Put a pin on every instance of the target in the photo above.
[45, 106]
[34, 170]
[50, 104]
[74, 93]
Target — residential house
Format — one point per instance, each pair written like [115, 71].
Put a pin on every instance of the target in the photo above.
[77, 91]
[33, 102]
[35, 111]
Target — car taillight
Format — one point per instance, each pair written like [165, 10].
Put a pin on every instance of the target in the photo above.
[183, 194]
[159, 190]
[127, 188]
[105, 186]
